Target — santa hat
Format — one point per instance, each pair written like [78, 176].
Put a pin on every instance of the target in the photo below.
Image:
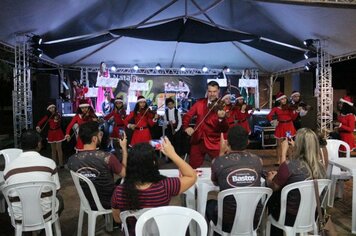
[347, 100]
[239, 96]
[83, 103]
[119, 99]
[50, 106]
[227, 95]
[280, 96]
[141, 99]
[295, 93]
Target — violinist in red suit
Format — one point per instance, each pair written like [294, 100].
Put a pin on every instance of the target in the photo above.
[285, 115]
[140, 120]
[119, 115]
[210, 123]
[345, 124]
[84, 114]
[55, 134]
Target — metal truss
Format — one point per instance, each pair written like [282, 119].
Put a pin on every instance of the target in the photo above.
[324, 89]
[336, 3]
[22, 93]
[166, 71]
[84, 75]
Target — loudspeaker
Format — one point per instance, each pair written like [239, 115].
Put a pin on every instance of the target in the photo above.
[45, 90]
[66, 107]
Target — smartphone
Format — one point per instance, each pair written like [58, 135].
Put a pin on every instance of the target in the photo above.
[121, 133]
[156, 143]
[288, 135]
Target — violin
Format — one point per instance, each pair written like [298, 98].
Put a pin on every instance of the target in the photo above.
[56, 116]
[216, 105]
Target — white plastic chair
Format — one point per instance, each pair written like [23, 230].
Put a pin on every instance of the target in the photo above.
[333, 146]
[29, 197]
[171, 220]
[189, 195]
[125, 214]
[85, 206]
[247, 199]
[9, 155]
[305, 219]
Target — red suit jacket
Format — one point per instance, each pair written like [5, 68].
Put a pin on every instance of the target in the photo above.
[210, 128]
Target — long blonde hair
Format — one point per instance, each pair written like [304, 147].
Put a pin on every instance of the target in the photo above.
[308, 150]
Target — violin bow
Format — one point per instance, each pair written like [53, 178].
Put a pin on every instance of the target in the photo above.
[206, 115]
[146, 112]
[46, 122]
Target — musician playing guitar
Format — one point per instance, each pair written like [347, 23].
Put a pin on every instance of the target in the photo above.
[210, 123]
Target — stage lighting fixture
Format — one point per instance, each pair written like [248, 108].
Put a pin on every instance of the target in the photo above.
[310, 42]
[309, 54]
[310, 65]
[37, 52]
[158, 66]
[113, 68]
[205, 69]
[182, 68]
[36, 40]
[227, 69]
[135, 67]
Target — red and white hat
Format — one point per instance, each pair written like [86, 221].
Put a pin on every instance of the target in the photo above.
[280, 96]
[295, 93]
[347, 100]
[119, 99]
[227, 95]
[141, 99]
[239, 96]
[83, 103]
[50, 106]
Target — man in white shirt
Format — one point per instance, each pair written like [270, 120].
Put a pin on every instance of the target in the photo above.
[30, 166]
[173, 119]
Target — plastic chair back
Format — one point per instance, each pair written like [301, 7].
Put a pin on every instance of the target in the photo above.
[305, 220]
[333, 146]
[247, 200]
[171, 220]
[83, 199]
[125, 214]
[30, 201]
[10, 154]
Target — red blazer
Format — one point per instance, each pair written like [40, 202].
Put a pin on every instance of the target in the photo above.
[210, 128]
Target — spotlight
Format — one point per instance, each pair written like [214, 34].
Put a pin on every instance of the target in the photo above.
[158, 66]
[182, 68]
[113, 68]
[310, 42]
[37, 52]
[309, 54]
[135, 67]
[310, 65]
[36, 40]
[205, 69]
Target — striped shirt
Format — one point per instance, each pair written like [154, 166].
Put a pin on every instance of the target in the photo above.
[158, 194]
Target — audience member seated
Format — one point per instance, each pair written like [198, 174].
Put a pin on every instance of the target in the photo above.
[97, 165]
[226, 169]
[144, 187]
[305, 165]
[30, 166]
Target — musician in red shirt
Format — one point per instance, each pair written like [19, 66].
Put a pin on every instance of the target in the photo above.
[210, 123]
[140, 120]
[55, 134]
[84, 114]
[284, 116]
